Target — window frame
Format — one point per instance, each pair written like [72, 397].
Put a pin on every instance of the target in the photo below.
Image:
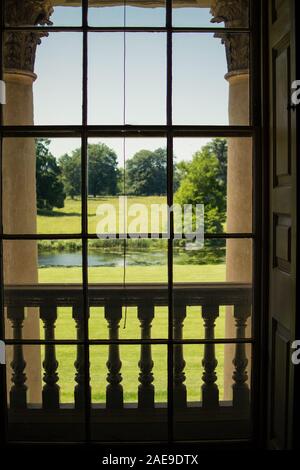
[169, 131]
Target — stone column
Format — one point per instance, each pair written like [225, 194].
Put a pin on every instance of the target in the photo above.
[19, 167]
[239, 177]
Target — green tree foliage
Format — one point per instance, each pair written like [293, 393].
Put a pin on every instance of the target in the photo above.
[71, 173]
[204, 182]
[180, 172]
[103, 173]
[103, 170]
[219, 148]
[49, 185]
[146, 173]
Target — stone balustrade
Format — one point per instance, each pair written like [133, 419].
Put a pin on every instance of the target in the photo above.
[210, 297]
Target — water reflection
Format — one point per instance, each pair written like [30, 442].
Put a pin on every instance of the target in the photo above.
[115, 258]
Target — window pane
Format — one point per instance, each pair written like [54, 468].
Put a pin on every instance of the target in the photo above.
[139, 191]
[145, 78]
[51, 91]
[67, 15]
[208, 387]
[122, 387]
[146, 262]
[60, 262]
[217, 261]
[217, 174]
[201, 94]
[216, 278]
[48, 383]
[38, 274]
[195, 16]
[211, 14]
[140, 293]
[126, 15]
[194, 325]
[106, 81]
[47, 173]
[48, 88]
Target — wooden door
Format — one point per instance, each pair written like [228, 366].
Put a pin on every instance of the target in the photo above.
[282, 243]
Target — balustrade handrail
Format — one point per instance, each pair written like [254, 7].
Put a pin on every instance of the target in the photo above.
[189, 293]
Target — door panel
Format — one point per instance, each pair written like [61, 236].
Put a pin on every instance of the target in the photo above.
[280, 385]
[283, 223]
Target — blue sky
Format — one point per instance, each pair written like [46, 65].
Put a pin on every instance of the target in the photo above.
[200, 92]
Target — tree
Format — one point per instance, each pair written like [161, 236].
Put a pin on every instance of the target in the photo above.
[204, 182]
[71, 173]
[180, 172]
[103, 170]
[146, 173]
[103, 173]
[49, 186]
[219, 148]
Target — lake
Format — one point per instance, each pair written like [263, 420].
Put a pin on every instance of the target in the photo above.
[108, 259]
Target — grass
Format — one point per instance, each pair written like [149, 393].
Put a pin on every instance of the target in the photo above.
[68, 220]
[182, 273]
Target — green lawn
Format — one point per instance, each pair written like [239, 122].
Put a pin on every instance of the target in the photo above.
[182, 273]
[67, 220]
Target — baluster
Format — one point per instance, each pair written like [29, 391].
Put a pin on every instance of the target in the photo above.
[210, 391]
[79, 364]
[146, 387]
[179, 316]
[114, 389]
[18, 391]
[50, 392]
[241, 392]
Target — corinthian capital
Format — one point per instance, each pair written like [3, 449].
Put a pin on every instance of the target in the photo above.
[20, 46]
[234, 14]
[28, 12]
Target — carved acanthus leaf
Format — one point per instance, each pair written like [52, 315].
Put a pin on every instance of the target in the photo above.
[234, 14]
[20, 46]
[28, 12]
